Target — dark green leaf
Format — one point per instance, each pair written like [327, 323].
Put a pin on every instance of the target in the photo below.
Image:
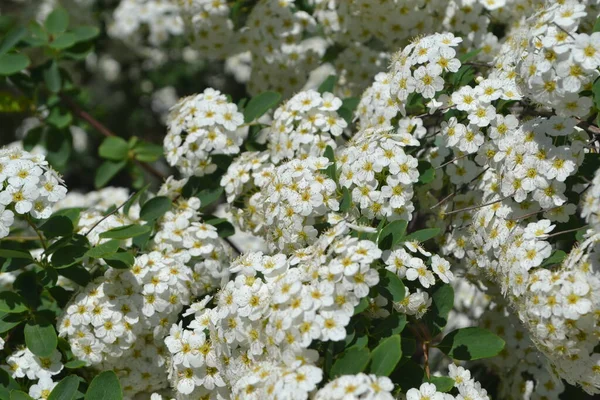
[469, 56]
[391, 325]
[57, 21]
[40, 338]
[597, 25]
[258, 105]
[346, 111]
[104, 250]
[121, 260]
[126, 232]
[5, 253]
[19, 395]
[426, 172]
[155, 208]
[107, 171]
[463, 76]
[7, 383]
[52, 77]
[209, 196]
[12, 38]
[224, 227]
[471, 344]
[328, 84]
[423, 235]
[386, 356]
[391, 286]
[362, 306]
[57, 225]
[596, 91]
[12, 303]
[436, 317]
[12, 63]
[395, 230]
[330, 171]
[77, 274]
[346, 200]
[9, 321]
[105, 386]
[114, 148]
[59, 118]
[69, 255]
[137, 197]
[66, 389]
[352, 361]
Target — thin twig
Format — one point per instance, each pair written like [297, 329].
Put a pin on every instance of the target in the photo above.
[78, 111]
[233, 246]
[426, 359]
[39, 233]
[454, 159]
[567, 231]
[109, 214]
[479, 206]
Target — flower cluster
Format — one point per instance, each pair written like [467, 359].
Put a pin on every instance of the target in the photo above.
[304, 126]
[28, 186]
[360, 386]
[200, 126]
[255, 339]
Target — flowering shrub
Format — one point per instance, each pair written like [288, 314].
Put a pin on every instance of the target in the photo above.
[313, 199]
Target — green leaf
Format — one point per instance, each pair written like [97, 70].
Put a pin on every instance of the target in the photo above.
[463, 76]
[107, 171]
[423, 235]
[147, 152]
[121, 260]
[19, 395]
[209, 196]
[77, 274]
[59, 118]
[328, 84]
[362, 306]
[471, 344]
[12, 38]
[52, 77]
[114, 148]
[57, 21]
[346, 200]
[126, 232]
[391, 325]
[69, 255]
[442, 384]
[63, 41]
[386, 356]
[596, 92]
[83, 33]
[426, 172]
[66, 389]
[556, 257]
[155, 208]
[135, 198]
[12, 303]
[13, 63]
[13, 103]
[5, 253]
[346, 111]
[58, 225]
[9, 321]
[395, 230]
[74, 364]
[105, 386]
[260, 104]
[469, 56]
[330, 171]
[224, 227]
[391, 286]
[436, 317]
[104, 250]
[40, 338]
[597, 25]
[7, 384]
[352, 361]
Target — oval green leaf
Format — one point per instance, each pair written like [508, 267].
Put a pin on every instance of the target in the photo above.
[105, 386]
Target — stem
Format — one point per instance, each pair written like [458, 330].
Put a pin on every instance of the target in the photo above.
[78, 111]
[108, 215]
[426, 359]
[479, 206]
[567, 231]
[39, 234]
[233, 246]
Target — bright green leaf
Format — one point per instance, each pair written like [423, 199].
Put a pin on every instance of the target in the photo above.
[107, 171]
[596, 92]
[147, 152]
[12, 303]
[209, 196]
[597, 25]
[436, 317]
[471, 344]
[66, 389]
[395, 230]
[63, 41]
[83, 33]
[386, 356]
[121, 260]
[105, 386]
[442, 384]
[556, 257]
[19, 395]
[74, 364]
[352, 361]
[391, 286]
[104, 250]
[426, 172]
[469, 56]
[57, 21]
[362, 306]
[40, 338]
[12, 63]
[258, 105]
[155, 208]
[114, 148]
[346, 202]
[126, 232]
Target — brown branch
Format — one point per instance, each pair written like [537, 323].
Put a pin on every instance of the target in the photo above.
[82, 114]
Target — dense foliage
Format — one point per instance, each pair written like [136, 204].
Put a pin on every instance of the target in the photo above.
[278, 199]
